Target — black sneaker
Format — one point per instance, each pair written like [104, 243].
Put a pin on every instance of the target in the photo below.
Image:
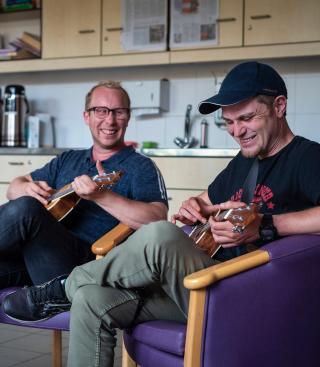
[37, 303]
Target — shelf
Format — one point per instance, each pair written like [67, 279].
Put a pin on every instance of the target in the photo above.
[306, 49]
[92, 62]
[21, 14]
[164, 58]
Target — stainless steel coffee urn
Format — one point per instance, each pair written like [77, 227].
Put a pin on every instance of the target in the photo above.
[15, 110]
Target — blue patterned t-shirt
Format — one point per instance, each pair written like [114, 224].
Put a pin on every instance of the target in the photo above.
[141, 181]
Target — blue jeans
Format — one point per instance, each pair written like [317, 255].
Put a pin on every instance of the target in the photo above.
[34, 246]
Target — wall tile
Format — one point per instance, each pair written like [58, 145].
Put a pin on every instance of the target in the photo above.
[308, 125]
[62, 93]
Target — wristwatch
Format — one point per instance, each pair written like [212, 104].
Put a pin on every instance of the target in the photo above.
[268, 232]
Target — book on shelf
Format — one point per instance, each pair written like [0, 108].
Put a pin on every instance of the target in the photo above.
[16, 5]
[8, 53]
[19, 44]
[32, 40]
[23, 54]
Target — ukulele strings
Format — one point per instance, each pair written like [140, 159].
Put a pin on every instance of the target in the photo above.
[103, 181]
[203, 227]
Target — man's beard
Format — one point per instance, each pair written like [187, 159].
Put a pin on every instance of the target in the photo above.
[250, 153]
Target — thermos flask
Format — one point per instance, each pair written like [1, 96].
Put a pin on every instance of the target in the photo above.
[15, 110]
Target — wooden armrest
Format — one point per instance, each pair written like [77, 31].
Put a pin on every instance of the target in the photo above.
[111, 239]
[205, 277]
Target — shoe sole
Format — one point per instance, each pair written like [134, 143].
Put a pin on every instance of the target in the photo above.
[22, 321]
[27, 322]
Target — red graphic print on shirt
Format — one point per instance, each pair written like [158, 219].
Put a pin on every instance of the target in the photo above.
[262, 194]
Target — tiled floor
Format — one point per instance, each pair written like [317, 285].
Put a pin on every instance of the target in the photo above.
[27, 347]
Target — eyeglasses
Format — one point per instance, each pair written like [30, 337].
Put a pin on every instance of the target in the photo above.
[103, 112]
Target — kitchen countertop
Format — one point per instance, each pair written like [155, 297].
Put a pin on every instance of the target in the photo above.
[152, 152]
[31, 151]
[200, 152]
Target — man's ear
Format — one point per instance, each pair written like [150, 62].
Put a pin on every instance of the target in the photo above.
[280, 106]
[86, 117]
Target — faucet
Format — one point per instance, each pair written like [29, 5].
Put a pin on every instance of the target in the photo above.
[188, 141]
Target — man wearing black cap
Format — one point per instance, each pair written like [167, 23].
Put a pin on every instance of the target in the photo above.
[142, 279]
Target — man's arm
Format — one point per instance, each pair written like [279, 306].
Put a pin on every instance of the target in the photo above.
[301, 222]
[25, 186]
[133, 213]
[130, 212]
[305, 221]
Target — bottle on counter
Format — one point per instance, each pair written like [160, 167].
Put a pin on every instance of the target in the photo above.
[204, 134]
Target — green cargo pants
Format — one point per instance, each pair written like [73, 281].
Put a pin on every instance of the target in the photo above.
[154, 261]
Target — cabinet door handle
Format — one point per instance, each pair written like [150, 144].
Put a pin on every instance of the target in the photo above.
[261, 16]
[119, 29]
[84, 31]
[222, 20]
[16, 163]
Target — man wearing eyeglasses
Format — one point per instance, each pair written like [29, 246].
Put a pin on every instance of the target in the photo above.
[104, 296]
[34, 245]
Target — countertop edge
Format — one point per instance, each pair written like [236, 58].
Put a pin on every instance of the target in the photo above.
[168, 152]
[150, 152]
[31, 151]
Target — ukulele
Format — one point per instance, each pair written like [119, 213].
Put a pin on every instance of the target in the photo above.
[239, 217]
[62, 201]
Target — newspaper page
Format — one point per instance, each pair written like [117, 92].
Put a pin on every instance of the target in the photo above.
[193, 23]
[144, 24]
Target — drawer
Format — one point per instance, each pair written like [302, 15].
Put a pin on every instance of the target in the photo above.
[190, 172]
[19, 165]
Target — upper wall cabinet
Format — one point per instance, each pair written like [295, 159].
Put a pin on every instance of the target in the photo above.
[229, 26]
[286, 21]
[230, 23]
[71, 28]
[111, 27]
[90, 34]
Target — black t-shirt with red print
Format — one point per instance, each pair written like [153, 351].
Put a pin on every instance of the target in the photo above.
[288, 181]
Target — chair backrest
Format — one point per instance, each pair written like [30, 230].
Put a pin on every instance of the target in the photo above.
[269, 315]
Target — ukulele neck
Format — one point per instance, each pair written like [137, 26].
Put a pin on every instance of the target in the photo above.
[60, 194]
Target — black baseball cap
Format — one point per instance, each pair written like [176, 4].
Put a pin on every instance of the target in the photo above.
[244, 81]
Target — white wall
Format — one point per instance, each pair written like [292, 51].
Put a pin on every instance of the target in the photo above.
[62, 94]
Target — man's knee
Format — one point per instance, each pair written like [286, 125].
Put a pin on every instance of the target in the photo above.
[24, 205]
[117, 308]
[161, 231]
[164, 234]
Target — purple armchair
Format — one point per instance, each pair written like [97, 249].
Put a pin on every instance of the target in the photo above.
[260, 309]
[60, 322]
[57, 324]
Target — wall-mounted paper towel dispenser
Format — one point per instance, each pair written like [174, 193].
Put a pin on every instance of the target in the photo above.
[148, 97]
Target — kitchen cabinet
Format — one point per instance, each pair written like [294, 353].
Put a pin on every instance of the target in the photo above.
[111, 27]
[230, 25]
[188, 176]
[80, 34]
[12, 166]
[71, 28]
[15, 23]
[272, 29]
[275, 22]
[75, 35]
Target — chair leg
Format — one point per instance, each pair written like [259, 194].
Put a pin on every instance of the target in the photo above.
[57, 348]
[127, 361]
